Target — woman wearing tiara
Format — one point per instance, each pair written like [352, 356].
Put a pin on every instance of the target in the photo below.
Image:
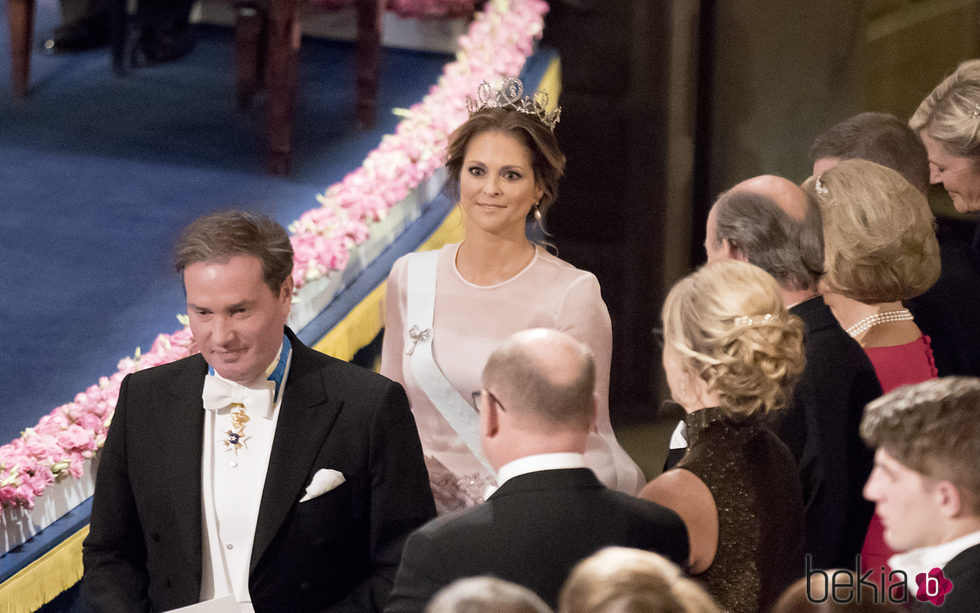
[731, 355]
[879, 249]
[446, 310]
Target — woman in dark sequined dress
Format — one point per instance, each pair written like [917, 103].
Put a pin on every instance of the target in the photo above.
[731, 355]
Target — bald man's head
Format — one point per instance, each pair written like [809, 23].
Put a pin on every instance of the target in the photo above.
[789, 196]
[771, 222]
[546, 376]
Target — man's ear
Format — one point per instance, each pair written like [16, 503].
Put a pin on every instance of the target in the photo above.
[489, 419]
[286, 291]
[734, 252]
[286, 295]
[949, 499]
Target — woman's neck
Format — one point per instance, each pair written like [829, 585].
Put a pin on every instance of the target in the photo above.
[488, 259]
[850, 312]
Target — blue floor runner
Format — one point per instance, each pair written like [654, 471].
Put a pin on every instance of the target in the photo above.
[98, 174]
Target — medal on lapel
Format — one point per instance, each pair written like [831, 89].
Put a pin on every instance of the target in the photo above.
[235, 438]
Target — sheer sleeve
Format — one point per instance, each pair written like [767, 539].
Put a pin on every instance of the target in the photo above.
[393, 344]
[583, 315]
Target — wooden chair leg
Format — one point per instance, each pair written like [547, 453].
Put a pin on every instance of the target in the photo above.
[20, 19]
[281, 68]
[369, 14]
[250, 20]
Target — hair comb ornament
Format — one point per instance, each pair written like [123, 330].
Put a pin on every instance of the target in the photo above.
[820, 187]
[511, 96]
[744, 321]
[976, 111]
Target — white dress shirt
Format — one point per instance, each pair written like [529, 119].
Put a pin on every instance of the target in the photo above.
[541, 461]
[924, 559]
[232, 483]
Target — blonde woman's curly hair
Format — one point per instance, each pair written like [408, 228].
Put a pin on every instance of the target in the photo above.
[951, 112]
[878, 231]
[727, 323]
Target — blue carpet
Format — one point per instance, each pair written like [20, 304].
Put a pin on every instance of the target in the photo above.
[98, 174]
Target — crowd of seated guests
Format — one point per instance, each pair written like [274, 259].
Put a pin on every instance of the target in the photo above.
[815, 301]
[778, 350]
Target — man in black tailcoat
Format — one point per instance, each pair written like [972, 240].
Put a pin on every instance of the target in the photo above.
[259, 470]
[537, 407]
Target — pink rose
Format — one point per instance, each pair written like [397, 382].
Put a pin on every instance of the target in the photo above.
[76, 438]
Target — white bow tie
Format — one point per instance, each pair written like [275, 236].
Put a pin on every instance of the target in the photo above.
[221, 394]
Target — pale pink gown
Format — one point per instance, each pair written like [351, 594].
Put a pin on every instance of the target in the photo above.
[469, 322]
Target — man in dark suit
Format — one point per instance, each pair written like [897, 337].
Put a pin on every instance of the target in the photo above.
[926, 488]
[536, 407]
[259, 471]
[772, 223]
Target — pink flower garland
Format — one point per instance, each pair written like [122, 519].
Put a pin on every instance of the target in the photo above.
[497, 44]
[63, 440]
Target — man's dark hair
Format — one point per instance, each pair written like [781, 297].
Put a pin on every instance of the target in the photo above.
[789, 249]
[221, 236]
[879, 138]
[933, 428]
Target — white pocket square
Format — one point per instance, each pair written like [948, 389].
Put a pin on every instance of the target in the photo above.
[323, 481]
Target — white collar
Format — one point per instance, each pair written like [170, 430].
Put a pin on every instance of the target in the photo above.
[262, 384]
[924, 559]
[538, 462]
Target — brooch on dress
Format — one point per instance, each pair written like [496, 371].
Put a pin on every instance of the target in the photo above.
[235, 438]
[417, 334]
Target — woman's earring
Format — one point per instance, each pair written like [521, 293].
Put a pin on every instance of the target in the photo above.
[539, 219]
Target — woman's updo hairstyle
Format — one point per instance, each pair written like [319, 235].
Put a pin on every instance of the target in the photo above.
[878, 231]
[727, 323]
[951, 112]
[547, 160]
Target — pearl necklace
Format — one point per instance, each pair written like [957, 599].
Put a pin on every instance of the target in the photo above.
[878, 318]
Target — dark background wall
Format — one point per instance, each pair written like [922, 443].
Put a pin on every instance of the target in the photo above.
[607, 219]
[667, 103]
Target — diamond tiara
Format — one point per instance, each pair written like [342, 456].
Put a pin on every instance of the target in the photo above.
[511, 96]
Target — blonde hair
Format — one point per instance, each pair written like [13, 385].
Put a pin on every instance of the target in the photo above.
[621, 580]
[951, 112]
[485, 594]
[879, 233]
[728, 325]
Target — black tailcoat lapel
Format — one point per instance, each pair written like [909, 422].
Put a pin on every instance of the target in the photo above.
[305, 418]
[182, 426]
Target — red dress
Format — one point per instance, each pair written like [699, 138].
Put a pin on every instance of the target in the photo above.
[895, 366]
